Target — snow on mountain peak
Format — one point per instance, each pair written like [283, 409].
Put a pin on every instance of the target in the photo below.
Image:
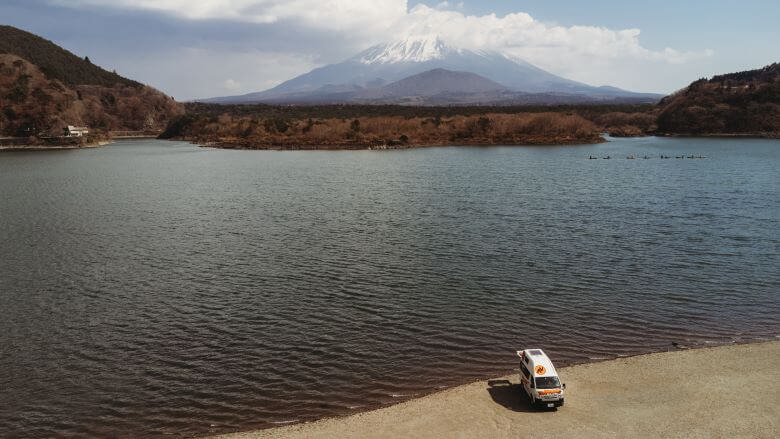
[413, 49]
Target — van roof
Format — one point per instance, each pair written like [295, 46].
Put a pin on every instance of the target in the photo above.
[536, 358]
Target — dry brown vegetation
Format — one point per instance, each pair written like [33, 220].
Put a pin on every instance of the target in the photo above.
[36, 105]
[384, 131]
[742, 103]
[622, 124]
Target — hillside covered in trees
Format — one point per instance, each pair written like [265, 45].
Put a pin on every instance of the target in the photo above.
[384, 131]
[742, 103]
[264, 126]
[44, 88]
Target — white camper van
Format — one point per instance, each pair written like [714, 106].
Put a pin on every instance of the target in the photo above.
[539, 379]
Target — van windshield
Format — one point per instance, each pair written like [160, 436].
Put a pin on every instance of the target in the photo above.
[547, 383]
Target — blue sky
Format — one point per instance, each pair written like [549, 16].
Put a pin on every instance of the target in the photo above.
[192, 49]
[686, 24]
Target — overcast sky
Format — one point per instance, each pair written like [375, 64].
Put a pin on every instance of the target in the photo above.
[203, 48]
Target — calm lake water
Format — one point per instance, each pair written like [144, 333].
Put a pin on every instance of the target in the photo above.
[150, 288]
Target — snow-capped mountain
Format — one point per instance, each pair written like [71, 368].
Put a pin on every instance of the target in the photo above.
[420, 49]
[390, 62]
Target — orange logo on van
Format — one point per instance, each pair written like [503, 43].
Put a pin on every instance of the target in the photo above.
[549, 392]
[540, 370]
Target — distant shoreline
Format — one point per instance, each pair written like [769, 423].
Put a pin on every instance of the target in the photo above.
[601, 397]
[64, 142]
[375, 147]
[243, 145]
[54, 147]
[723, 135]
[562, 141]
[347, 147]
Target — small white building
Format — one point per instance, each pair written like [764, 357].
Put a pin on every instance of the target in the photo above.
[72, 131]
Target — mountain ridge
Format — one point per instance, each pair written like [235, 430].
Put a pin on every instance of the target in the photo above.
[398, 60]
[56, 62]
[44, 88]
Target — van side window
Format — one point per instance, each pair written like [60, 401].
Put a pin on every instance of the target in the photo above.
[524, 370]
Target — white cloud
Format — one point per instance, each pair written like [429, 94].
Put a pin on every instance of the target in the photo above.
[521, 35]
[231, 84]
[320, 14]
[591, 54]
[518, 34]
[449, 5]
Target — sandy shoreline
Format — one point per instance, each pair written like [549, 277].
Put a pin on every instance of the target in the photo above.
[720, 392]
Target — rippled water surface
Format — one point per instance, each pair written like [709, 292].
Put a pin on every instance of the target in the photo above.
[151, 288]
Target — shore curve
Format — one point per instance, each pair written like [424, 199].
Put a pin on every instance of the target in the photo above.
[719, 392]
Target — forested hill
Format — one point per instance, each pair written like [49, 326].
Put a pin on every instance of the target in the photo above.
[56, 62]
[44, 88]
[742, 103]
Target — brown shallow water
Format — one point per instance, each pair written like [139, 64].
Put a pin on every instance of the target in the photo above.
[152, 288]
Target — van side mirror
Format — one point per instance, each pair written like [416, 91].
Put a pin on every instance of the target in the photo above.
[564, 385]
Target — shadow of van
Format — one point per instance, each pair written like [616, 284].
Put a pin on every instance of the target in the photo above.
[511, 396]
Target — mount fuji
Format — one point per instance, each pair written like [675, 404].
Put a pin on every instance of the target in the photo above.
[373, 76]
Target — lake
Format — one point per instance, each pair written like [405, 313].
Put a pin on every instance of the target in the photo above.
[153, 288]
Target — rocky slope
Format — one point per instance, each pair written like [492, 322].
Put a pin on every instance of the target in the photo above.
[44, 88]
